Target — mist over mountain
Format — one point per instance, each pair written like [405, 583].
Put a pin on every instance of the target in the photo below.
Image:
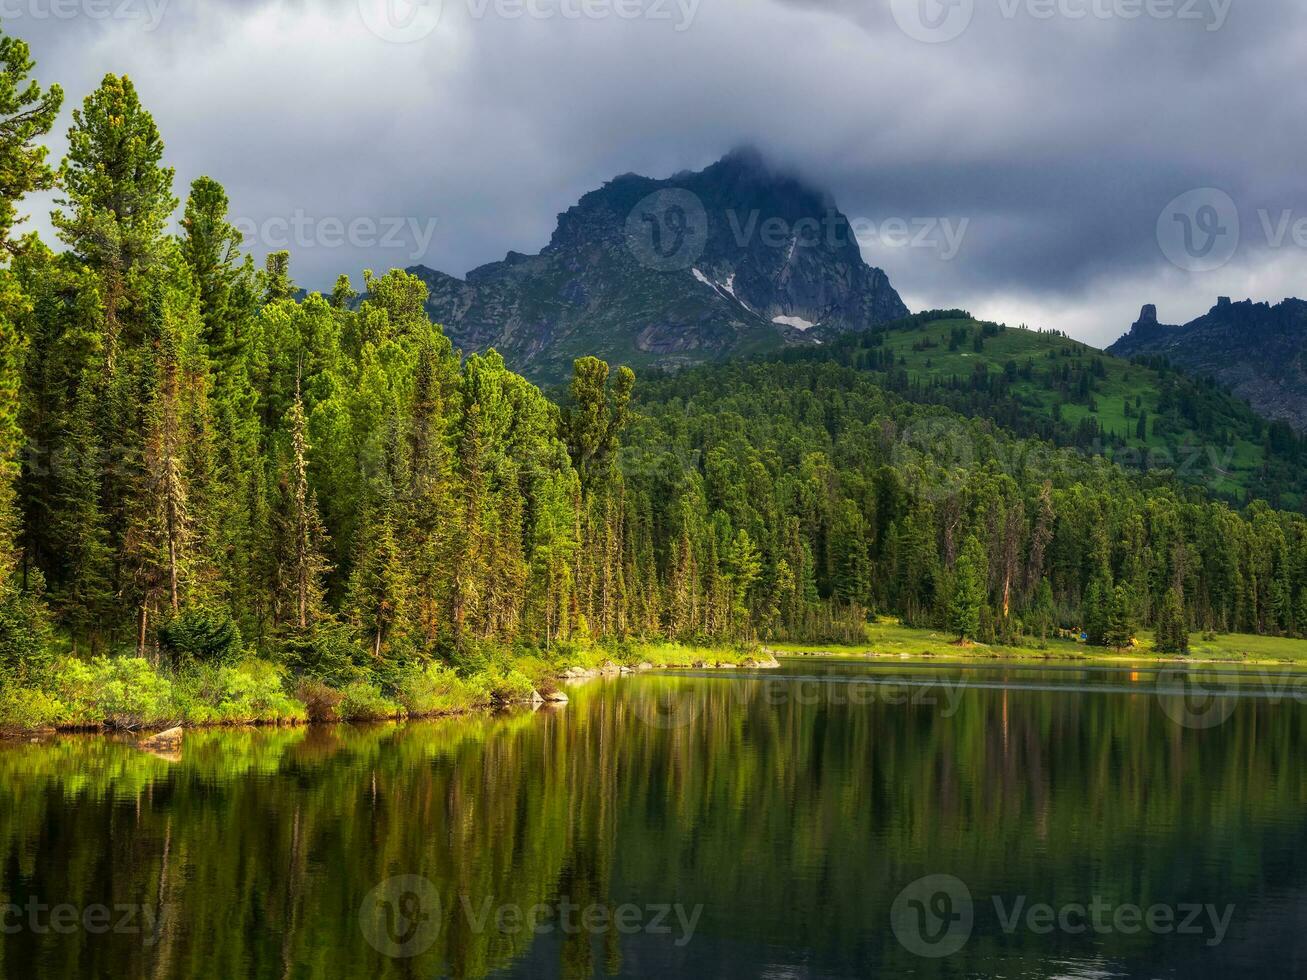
[734, 259]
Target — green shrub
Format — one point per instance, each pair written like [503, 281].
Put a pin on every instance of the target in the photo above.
[121, 692]
[200, 636]
[508, 685]
[361, 701]
[437, 689]
[247, 693]
[25, 708]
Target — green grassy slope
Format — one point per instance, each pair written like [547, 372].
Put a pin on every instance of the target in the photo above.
[1044, 384]
[888, 638]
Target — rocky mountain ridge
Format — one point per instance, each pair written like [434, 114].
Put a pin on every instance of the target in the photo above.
[734, 259]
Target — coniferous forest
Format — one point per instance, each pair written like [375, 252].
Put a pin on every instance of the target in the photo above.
[215, 481]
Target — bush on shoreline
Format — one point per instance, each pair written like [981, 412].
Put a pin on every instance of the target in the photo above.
[129, 693]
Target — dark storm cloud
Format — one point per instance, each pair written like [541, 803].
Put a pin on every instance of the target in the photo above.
[1054, 132]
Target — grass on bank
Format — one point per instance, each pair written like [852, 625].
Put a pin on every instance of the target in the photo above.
[130, 693]
[889, 638]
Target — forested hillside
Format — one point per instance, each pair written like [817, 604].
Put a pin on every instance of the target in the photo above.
[857, 496]
[1142, 413]
[201, 467]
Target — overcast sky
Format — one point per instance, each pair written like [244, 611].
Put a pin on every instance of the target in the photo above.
[1054, 135]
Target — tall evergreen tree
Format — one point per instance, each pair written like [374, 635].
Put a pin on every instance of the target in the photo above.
[26, 115]
[117, 196]
[303, 562]
[1120, 626]
[211, 247]
[1172, 630]
[968, 591]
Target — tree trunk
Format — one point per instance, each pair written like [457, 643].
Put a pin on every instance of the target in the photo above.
[144, 624]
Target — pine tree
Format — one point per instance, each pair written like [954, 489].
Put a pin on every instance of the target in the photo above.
[10, 443]
[428, 512]
[276, 281]
[1120, 628]
[1097, 609]
[342, 294]
[211, 247]
[26, 115]
[1172, 628]
[303, 559]
[157, 528]
[378, 597]
[1043, 610]
[968, 591]
[117, 196]
[744, 564]
[86, 593]
[469, 571]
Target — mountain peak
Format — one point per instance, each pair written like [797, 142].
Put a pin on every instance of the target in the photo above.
[668, 272]
[745, 158]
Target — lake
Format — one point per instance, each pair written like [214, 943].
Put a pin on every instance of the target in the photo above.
[834, 818]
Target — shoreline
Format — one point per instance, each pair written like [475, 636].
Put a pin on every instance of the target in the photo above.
[553, 698]
[1011, 655]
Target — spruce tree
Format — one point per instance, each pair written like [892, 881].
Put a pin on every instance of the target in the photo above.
[276, 281]
[1097, 609]
[1172, 629]
[26, 115]
[117, 197]
[377, 600]
[10, 443]
[304, 537]
[211, 247]
[1120, 629]
[1043, 611]
[968, 591]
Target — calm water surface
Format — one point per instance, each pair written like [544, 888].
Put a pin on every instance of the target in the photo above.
[831, 819]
